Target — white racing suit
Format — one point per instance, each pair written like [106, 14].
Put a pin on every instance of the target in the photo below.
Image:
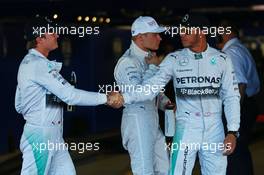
[141, 134]
[38, 79]
[202, 83]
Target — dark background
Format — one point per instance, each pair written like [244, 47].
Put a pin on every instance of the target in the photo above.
[93, 57]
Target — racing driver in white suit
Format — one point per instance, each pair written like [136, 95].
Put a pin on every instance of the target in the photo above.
[141, 134]
[203, 80]
[39, 91]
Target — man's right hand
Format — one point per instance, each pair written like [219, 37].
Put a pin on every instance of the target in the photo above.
[115, 99]
[171, 105]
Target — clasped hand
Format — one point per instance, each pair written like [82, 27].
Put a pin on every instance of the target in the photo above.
[115, 99]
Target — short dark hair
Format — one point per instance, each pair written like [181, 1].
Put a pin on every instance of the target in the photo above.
[228, 23]
[33, 24]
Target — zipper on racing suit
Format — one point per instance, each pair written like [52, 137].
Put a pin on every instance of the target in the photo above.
[200, 97]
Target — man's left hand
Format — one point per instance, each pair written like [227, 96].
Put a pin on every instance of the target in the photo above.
[230, 144]
[153, 59]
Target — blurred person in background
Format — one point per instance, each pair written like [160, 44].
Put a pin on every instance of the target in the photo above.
[240, 162]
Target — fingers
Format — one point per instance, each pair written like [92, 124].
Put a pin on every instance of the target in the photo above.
[232, 148]
[174, 109]
[227, 151]
[152, 59]
[115, 99]
[170, 105]
[230, 144]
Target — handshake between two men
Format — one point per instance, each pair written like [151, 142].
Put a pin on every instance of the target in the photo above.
[115, 99]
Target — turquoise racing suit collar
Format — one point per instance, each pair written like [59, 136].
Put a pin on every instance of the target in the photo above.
[199, 55]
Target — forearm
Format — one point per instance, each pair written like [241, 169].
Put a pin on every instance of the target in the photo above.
[85, 98]
[232, 113]
[140, 95]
